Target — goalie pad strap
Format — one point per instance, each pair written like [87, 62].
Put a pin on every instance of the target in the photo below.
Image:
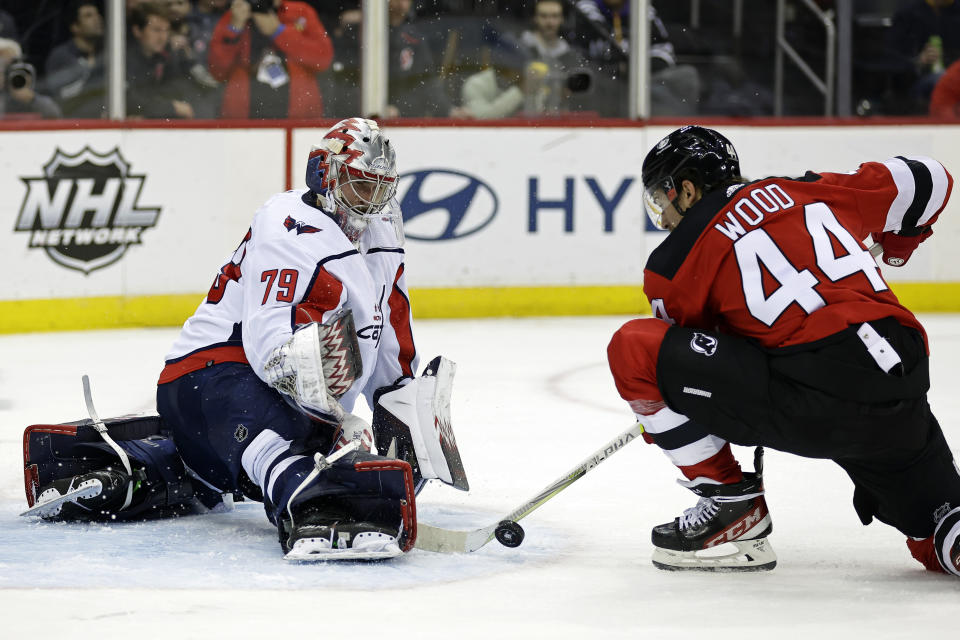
[54, 452]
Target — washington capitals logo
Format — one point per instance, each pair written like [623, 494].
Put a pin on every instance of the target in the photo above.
[292, 224]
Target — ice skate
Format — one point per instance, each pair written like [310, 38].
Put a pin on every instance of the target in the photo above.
[726, 531]
[91, 496]
[353, 506]
[317, 535]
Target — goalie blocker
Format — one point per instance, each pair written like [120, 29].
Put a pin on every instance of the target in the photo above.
[412, 423]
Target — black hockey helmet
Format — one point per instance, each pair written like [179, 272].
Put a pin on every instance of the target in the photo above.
[693, 153]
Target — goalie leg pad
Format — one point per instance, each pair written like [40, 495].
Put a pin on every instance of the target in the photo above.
[59, 458]
[412, 423]
[97, 495]
[360, 503]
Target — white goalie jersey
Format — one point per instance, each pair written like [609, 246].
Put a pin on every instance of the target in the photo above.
[296, 266]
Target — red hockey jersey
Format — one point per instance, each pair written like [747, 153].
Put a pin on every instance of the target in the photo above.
[783, 261]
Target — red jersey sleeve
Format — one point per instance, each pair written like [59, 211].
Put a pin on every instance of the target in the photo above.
[945, 99]
[226, 49]
[900, 194]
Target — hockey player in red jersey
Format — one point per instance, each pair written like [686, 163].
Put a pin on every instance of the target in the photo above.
[774, 327]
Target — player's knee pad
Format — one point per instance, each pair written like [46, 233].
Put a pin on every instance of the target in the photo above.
[718, 381]
[632, 354]
[159, 485]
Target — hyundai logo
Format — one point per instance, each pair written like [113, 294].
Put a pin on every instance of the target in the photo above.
[439, 204]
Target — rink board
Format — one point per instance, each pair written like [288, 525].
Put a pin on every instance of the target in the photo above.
[128, 226]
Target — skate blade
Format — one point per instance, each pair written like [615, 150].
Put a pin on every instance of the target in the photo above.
[745, 555]
[51, 507]
[318, 550]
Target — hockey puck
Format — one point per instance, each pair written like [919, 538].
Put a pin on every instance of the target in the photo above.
[509, 533]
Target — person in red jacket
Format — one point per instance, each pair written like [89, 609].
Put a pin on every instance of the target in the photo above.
[945, 100]
[269, 53]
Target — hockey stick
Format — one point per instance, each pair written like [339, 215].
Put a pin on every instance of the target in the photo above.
[102, 430]
[506, 529]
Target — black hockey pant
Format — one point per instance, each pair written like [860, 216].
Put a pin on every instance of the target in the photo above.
[828, 399]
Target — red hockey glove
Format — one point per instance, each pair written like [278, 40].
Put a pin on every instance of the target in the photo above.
[897, 249]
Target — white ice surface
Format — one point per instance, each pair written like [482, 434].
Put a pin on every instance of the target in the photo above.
[532, 397]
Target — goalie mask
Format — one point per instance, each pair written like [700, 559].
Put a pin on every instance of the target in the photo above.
[355, 170]
[700, 155]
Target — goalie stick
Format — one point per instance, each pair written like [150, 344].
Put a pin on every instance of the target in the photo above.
[88, 488]
[440, 540]
[102, 430]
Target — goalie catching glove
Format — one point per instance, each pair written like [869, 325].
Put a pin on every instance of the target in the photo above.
[316, 366]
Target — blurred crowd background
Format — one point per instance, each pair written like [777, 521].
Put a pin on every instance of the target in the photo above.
[479, 59]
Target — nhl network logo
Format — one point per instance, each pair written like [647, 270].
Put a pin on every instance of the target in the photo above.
[83, 210]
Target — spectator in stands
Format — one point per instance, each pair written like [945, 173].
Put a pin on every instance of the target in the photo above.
[177, 12]
[554, 69]
[9, 51]
[602, 30]
[925, 38]
[8, 27]
[945, 99]
[9, 40]
[201, 21]
[528, 75]
[192, 47]
[157, 84]
[415, 86]
[19, 97]
[269, 52]
[489, 94]
[341, 97]
[75, 70]
[332, 12]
